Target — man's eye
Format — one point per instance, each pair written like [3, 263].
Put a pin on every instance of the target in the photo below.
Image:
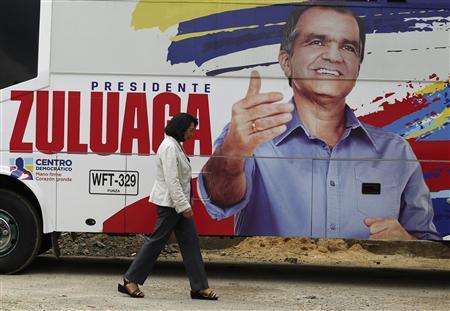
[349, 48]
[316, 42]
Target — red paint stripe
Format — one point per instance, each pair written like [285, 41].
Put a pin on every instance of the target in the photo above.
[205, 224]
[437, 175]
[431, 149]
[395, 111]
[115, 223]
[378, 98]
[140, 217]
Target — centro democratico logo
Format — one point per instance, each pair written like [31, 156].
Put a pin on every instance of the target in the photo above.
[21, 168]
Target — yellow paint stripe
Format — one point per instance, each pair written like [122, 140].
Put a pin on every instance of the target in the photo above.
[149, 14]
[276, 24]
[203, 33]
[432, 88]
[438, 122]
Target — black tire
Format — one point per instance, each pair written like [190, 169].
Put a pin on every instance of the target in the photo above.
[20, 232]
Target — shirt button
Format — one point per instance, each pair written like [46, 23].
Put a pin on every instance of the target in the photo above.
[333, 226]
[332, 183]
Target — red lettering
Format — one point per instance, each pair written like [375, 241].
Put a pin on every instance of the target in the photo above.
[160, 102]
[104, 139]
[16, 144]
[198, 106]
[73, 131]
[42, 127]
[112, 123]
[136, 106]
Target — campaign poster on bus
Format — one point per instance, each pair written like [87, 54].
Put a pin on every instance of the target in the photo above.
[316, 118]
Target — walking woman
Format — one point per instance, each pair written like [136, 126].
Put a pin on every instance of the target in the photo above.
[172, 195]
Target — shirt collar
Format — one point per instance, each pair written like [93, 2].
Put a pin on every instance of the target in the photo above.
[291, 126]
[351, 122]
[171, 138]
[179, 146]
[177, 143]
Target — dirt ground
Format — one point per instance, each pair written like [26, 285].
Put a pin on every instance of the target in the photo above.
[90, 283]
[249, 274]
[300, 251]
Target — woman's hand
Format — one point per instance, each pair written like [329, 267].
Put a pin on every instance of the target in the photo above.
[188, 213]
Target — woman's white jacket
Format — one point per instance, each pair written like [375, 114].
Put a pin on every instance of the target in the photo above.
[173, 176]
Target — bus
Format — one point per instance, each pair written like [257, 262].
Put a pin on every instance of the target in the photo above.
[87, 87]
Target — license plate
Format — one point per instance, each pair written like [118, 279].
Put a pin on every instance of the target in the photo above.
[113, 182]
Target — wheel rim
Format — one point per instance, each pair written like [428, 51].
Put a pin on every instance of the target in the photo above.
[9, 233]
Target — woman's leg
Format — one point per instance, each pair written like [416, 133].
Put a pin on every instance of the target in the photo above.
[188, 241]
[143, 264]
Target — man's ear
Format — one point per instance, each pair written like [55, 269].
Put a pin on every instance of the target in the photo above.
[284, 60]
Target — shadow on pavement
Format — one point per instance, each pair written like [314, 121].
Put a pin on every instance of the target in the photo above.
[246, 271]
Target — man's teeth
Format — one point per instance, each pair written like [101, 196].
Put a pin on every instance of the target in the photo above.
[328, 72]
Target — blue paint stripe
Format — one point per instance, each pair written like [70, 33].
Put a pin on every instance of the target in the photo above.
[237, 68]
[441, 134]
[237, 18]
[204, 48]
[391, 20]
[399, 126]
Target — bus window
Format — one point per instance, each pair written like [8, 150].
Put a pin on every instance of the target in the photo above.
[19, 40]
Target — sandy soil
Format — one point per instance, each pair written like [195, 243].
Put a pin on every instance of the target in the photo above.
[336, 252]
[300, 251]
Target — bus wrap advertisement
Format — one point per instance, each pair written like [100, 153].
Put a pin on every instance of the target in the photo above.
[317, 119]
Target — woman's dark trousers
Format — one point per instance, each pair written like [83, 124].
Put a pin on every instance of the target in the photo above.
[187, 238]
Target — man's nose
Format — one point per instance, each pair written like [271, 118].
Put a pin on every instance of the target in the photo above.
[333, 53]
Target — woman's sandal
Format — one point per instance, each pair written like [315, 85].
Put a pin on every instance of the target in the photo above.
[211, 295]
[137, 293]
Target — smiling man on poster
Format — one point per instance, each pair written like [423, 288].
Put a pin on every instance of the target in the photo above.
[309, 167]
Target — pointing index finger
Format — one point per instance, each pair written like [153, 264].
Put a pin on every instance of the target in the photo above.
[254, 85]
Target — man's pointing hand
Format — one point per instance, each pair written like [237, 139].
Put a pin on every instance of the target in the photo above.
[256, 119]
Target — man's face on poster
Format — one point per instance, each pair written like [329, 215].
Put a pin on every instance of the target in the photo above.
[325, 57]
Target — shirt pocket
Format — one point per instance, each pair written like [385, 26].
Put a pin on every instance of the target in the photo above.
[386, 203]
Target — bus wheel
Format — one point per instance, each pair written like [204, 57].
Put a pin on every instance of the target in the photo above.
[20, 232]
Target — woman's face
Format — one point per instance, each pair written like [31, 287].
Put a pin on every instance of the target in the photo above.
[189, 132]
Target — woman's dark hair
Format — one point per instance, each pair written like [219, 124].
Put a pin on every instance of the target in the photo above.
[179, 124]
